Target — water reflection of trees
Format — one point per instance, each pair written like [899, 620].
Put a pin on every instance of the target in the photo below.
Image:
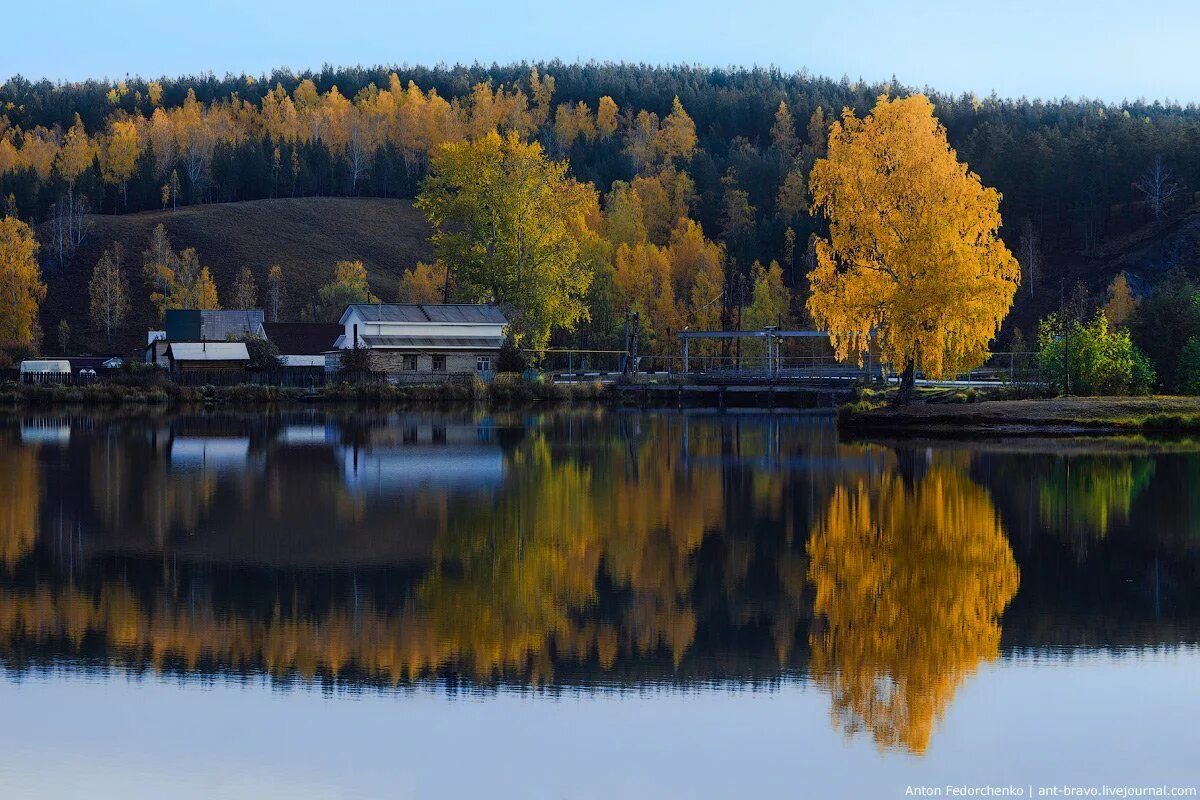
[20, 484]
[1081, 497]
[591, 547]
[587, 555]
[911, 579]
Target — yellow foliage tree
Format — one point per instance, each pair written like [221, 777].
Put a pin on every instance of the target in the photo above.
[698, 269]
[677, 137]
[665, 197]
[624, 219]
[21, 287]
[425, 283]
[1121, 302]
[792, 198]
[39, 151]
[770, 300]
[642, 277]
[176, 280]
[574, 122]
[913, 257]
[512, 226]
[910, 583]
[119, 157]
[693, 255]
[193, 285]
[76, 154]
[606, 117]
[349, 286]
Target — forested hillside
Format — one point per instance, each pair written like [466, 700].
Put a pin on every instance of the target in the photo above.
[1089, 188]
[305, 236]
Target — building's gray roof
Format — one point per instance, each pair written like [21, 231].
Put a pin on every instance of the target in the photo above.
[216, 326]
[430, 312]
[209, 351]
[434, 342]
[195, 325]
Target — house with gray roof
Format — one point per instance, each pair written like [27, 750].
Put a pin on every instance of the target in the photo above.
[423, 342]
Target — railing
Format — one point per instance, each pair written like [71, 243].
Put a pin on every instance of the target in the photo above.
[55, 378]
[1000, 368]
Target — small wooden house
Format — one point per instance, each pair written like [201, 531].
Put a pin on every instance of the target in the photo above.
[188, 357]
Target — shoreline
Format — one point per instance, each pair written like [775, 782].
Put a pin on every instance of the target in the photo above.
[1061, 416]
[165, 394]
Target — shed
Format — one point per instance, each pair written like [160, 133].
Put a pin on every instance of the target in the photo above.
[56, 370]
[207, 356]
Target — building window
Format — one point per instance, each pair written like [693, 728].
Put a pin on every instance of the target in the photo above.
[410, 363]
[439, 363]
[483, 364]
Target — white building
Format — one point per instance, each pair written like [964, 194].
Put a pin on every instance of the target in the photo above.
[422, 342]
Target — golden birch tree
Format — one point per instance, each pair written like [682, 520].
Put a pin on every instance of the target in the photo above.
[512, 227]
[913, 257]
[119, 155]
[425, 283]
[1121, 302]
[349, 285]
[21, 287]
[109, 299]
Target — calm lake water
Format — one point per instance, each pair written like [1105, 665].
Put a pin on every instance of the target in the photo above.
[583, 603]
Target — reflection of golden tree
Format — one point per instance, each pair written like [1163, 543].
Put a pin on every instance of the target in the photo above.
[19, 491]
[519, 568]
[910, 583]
[514, 581]
[1085, 495]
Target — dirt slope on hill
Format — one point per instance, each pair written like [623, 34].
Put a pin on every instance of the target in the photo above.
[305, 236]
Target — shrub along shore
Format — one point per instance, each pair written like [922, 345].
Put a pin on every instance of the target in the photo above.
[506, 389]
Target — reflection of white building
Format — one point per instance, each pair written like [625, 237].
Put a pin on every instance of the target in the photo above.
[51, 432]
[391, 470]
[308, 435]
[209, 453]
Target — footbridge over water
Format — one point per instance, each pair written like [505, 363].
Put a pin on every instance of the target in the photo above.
[758, 367]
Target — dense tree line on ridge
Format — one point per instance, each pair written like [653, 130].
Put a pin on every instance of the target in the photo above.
[1066, 166]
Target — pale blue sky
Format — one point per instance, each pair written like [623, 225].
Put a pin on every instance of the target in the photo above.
[1112, 50]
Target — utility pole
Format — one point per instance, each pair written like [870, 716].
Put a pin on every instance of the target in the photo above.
[1066, 323]
[633, 342]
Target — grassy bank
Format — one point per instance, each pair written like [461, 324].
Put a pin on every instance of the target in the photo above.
[503, 391]
[1066, 415]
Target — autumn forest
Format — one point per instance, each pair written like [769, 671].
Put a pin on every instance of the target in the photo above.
[689, 187]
